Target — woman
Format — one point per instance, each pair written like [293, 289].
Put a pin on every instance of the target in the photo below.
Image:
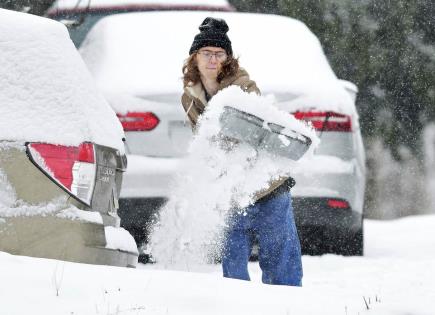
[210, 68]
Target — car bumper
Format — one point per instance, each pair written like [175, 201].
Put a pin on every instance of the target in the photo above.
[312, 212]
[322, 229]
[64, 239]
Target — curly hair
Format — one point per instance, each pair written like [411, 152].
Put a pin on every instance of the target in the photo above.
[191, 73]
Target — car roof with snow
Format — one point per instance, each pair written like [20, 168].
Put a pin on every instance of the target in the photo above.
[132, 53]
[46, 92]
[63, 6]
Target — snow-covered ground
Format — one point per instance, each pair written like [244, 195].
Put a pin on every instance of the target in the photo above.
[396, 276]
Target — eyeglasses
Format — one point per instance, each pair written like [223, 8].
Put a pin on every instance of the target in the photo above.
[207, 54]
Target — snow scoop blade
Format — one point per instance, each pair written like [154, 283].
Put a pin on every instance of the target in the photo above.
[270, 137]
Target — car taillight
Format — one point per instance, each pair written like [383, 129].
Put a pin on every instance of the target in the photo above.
[138, 121]
[337, 203]
[326, 121]
[71, 167]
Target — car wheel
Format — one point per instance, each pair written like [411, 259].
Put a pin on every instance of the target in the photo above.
[354, 244]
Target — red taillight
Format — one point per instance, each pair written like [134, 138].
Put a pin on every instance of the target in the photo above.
[336, 203]
[59, 160]
[326, 121]
[137, 121]
[86, 153]
[72, 167]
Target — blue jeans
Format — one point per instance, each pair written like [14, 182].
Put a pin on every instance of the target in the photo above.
[273, 224]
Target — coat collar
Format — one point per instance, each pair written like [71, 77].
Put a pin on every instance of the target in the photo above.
[197, 90]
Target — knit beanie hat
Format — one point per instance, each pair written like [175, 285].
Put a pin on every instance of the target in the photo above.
[213, 32]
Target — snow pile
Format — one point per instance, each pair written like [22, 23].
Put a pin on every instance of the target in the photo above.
[46, 92]
[418, 236]
[216, 177]
[119, 238]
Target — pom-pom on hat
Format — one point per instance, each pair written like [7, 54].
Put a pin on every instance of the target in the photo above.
[213, 32]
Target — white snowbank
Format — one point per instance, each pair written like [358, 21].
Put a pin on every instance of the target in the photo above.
[213, 180]
[396, 277]
[285, 57]
[409, 238]
[46, 92]
[119, 238]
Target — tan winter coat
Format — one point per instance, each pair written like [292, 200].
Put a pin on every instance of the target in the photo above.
[194, 103]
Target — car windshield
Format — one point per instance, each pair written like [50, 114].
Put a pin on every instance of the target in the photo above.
[80, 24]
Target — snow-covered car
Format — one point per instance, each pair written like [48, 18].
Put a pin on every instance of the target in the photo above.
[328, 199]
[144, 86]
[62, 157]
[81, 15]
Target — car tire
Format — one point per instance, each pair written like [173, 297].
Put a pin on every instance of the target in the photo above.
[354, 244]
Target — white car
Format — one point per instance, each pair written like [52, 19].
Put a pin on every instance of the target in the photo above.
[62, 157]
[139, 71]
[80, 15]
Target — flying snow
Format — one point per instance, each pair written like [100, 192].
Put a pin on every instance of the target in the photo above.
[215, 179]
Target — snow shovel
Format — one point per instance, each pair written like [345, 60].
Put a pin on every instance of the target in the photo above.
[261, 135]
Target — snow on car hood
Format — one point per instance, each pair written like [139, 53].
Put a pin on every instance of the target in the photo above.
[130, 53]
[46, 92]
